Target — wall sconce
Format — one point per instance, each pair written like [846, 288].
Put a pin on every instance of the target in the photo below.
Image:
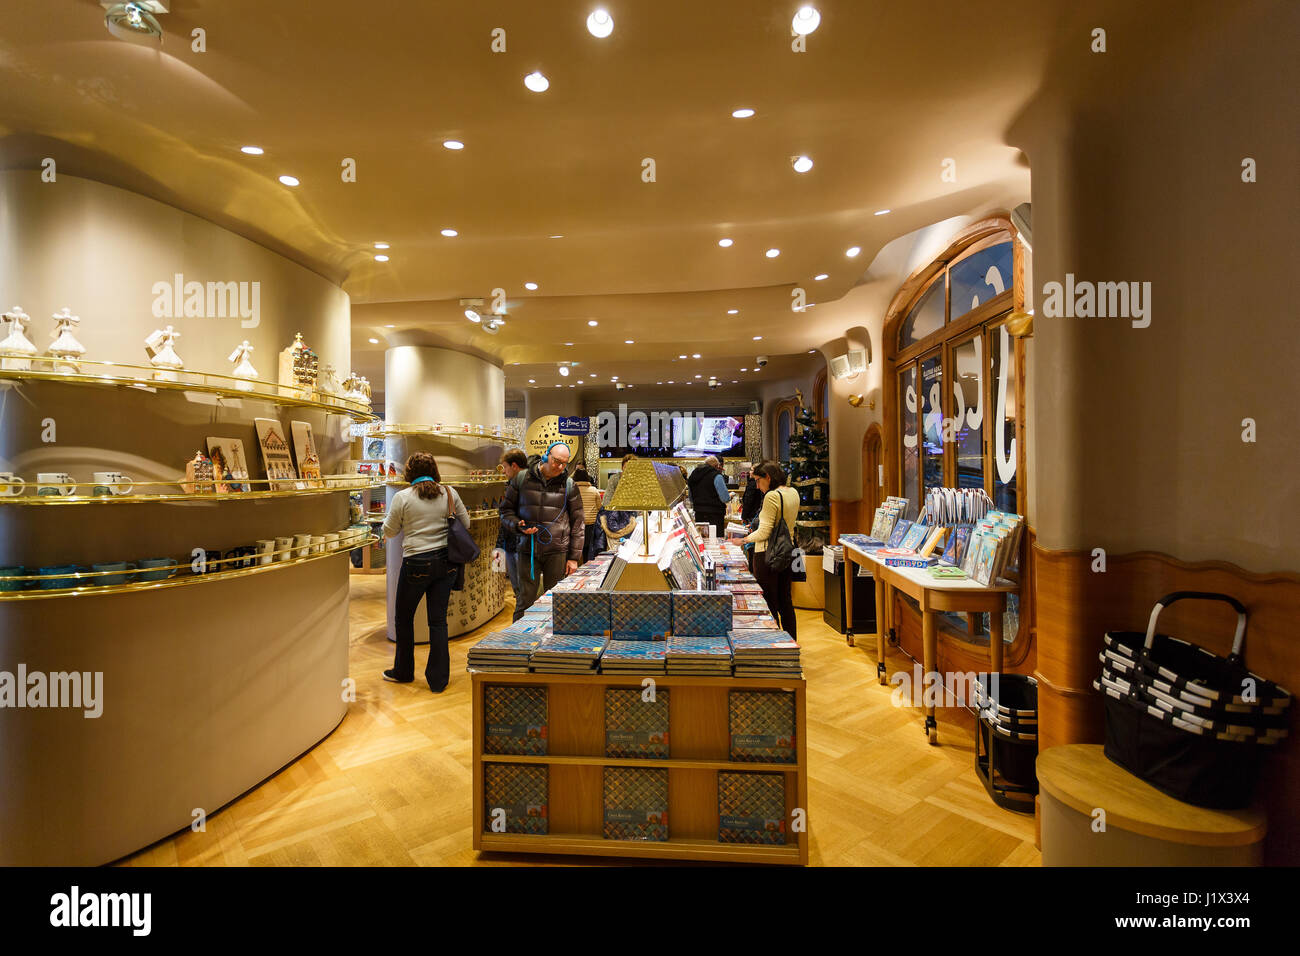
[857, 401]
[850, 365]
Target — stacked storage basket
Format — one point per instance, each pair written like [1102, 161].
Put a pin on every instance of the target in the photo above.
[1193, 725]
[1006, 741]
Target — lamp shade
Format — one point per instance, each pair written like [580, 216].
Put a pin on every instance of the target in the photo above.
[647, 485]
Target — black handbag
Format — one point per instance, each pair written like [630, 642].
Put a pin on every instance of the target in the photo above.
[461, 548]
[780, 549]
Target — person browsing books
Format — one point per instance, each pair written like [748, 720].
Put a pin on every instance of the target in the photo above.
[512, 462]
[590, 510]
[419, 514]
[709, 494]
[780, 502]
[544, 507]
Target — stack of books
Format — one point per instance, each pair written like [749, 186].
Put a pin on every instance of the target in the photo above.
[993, 544]
[765, 653]
[702, 613]
[581, 612]
[699, 656]
[751, 807]
[636, 725]
[641, 615]
[508, 650]
[887, 516]
[568, 654]
[634, 657]
[860, 542]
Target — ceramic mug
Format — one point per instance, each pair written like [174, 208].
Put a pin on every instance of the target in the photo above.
[10, 485]
[317, 543]
[110, 483]
[265, 546]
[112, 578]
[48, 483]
[150, 569]
[285, 548]
[301, 545]
[55, 577]
[13, 572]
[332, 542]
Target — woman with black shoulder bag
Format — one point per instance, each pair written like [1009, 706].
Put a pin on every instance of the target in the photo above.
[775, 532]
[421, 513]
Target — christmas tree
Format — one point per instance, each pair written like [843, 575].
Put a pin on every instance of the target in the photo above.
[810, 470]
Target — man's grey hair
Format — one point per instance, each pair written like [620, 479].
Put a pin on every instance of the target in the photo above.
[713, 460]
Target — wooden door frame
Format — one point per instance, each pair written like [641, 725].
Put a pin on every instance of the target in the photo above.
[872, 487]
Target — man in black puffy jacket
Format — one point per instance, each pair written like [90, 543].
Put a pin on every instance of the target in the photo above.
[544, 507]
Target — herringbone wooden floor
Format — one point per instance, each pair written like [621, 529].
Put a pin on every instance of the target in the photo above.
[391, 786]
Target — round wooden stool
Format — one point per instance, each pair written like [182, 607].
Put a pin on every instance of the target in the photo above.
[1143, 827]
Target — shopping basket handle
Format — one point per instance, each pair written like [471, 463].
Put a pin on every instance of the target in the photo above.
[1169, 599]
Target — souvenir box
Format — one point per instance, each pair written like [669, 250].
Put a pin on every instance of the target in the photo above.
[701, 613]
[520, 790]
[636, 803]
[641, 615]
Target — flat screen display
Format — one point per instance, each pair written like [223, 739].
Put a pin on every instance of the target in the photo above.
[673, 435]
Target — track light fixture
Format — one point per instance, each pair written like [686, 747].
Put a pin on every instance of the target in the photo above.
[134, 21]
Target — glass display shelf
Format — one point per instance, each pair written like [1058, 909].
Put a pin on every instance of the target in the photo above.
[458, 481]
[84, 372]
[234, 568]
[173, 491]
[398, 430]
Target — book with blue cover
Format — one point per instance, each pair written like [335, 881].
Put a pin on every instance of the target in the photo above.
[634, 657]
[581, 612]
[514, 798]
[636, 803]
[900, 532]
[568, 654]
[701, 612]
[860, 542]
[751, 807]
[915, 537]
[701, 656]
[769, 642]
[762, 725]
[753, 622]
[956, 549]
[641, 615]
[514, 719]
[635, 726]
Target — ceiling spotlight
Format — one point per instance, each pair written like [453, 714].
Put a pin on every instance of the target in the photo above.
[134, 22]
[628, 342]
[881, 212]
[536, 82]
[725, 243]
[696, 355]
[820, 277]
[289, 180]
[732, 311]
[374, 341]
[450, 233]
[581, 382]
[852, 251]
[744, 370]
[681, 356]
[745, 113]
[806, 20]
[564, 370]
[252, 150]
[658, 383]
[532, 381]
[555, 237]
[568, 343]
[381, 245]
[453, 144]
[472, 315]
[381, 258]
[390, 326]
[600, 24]
[772, 253]
[593, 323]
[758, 338]
[802, 164]
[671, 382]
[530, 286]
[699, 376]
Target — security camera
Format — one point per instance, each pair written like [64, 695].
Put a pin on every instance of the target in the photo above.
[762, 360]
[620, 386]
[714, 383]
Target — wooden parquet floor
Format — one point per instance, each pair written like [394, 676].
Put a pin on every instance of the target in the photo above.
[391, 786]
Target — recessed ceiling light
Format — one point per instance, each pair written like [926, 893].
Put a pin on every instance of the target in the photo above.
[613, 378]
[820, 277]
[734, 382]
[374, 341]
[852, 251]
[725, 243]
[593, 323]
[772, 253]
[600, 24]
[581, 382]
[555, 237]
[658, 383]
[289, 180]
[564, 370]
[252, 150]
[681, 356]
[570, 386]
[758, 338]
[530, 286]
[696, 355]
[744, 370]
[557, 386]
[449, 233]
[732, 311]
[671, 382]
[453, 144]
[381, 245]
[881, 212]
[697, 376]
[536, 82]
[568, 343]
[629, 342]
[802, 164]
[390, 326]
[532, 381]
[811, 351]
[744, 113]
[806, 20]
[381, 258]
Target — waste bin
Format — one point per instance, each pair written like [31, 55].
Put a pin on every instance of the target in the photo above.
[864, 596]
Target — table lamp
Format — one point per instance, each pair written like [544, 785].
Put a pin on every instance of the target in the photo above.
[647, 486]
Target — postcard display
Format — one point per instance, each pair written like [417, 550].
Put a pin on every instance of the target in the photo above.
[160, 477]
[642, 723]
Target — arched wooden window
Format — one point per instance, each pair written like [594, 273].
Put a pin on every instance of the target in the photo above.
[783, 426]
[821, 400]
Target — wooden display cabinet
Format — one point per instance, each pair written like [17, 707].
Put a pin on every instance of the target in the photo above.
[699, 741]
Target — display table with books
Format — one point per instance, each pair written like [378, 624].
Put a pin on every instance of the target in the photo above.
[642, 724]
[902, 555]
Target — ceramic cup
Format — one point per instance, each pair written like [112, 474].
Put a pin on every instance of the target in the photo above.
[301, 545]
[13, 572]
[111, 483]
[332, 541]
[112, 578]
[264, 548]
[149, 569]
[55, 577]
[285, 548]
[10, 484]
[48, 482]
[239, 558]
[317, 543]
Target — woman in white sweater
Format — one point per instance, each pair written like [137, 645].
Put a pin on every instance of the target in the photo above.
[420, 514]
[780, 502]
